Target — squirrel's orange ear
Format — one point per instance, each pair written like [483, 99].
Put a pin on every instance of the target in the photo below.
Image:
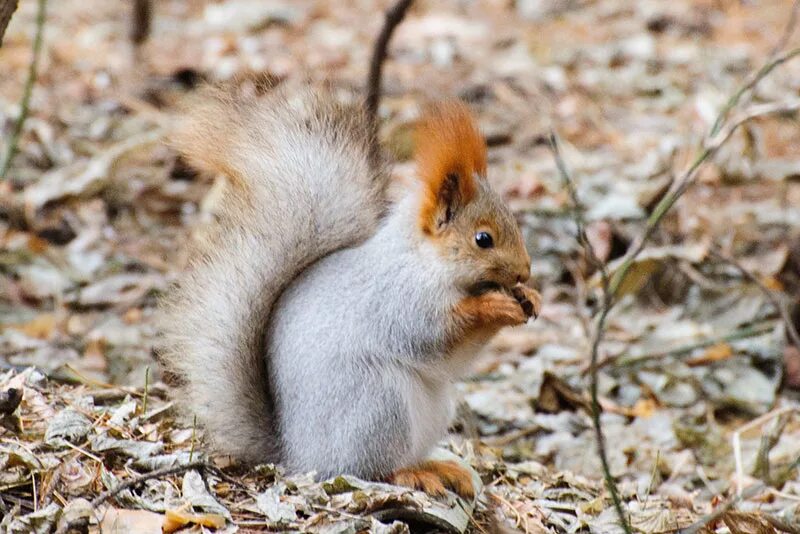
[451, 155]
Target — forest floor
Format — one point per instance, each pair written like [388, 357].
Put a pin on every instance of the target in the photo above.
[698, 381]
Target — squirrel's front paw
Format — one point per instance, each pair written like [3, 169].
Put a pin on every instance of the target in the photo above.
[493, 310]
[433, 477]
[529, 299]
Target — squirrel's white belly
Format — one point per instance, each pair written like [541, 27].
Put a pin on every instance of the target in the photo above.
[430, 397]
[430, 409]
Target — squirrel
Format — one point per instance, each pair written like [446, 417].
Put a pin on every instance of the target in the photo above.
[320, 325]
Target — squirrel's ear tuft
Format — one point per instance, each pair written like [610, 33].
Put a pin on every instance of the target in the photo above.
[450, 154]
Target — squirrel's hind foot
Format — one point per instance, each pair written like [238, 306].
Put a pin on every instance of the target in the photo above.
[433, 477]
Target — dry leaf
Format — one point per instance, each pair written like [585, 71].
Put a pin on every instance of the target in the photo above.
[791, 363]
[556, 395]
[643, 408]
[714, 353]
[41, 327]
[770, 282]
[117, 521]
[747, 523]
[176, 519]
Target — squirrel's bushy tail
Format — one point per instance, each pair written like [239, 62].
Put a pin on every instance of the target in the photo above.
[304, 180]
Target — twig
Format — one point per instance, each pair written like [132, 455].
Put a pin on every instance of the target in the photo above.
[511, 437]
[146, 389]
[7, 8]
[394, 16]
[652, 479]
[780, 524]
[791, 24]
[135, 481]
[774, 60]
[774, 299]
[194, 428]
[26, 95]
[130, 483]
[721, 136]
[598, 428]
[718, 135]
[706, 520]
[742, 333]
[606, 307]
[737, 445]
[519, 520]
[714, 141]
[761, 469]
[578, 215]
[141, 21]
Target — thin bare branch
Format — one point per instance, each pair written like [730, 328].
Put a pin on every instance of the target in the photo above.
[700, 525]
[757, 329]
[141, 21]
[578, 213]
[394, 16]
[600, 266]
[33, 69]
[761, 469]
[774, 299]
[788, 31]
[131, 483]
[686, 179]
[721, 131]
[774, 61]
[7, 8]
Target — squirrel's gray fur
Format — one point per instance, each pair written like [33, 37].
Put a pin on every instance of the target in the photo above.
[304, 181]
[313, 328]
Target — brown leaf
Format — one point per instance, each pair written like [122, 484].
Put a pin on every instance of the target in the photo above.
[41, 327]
[791, 363]
[556, 395]
[599, 234]
[714, 353]
[747, 523]
[176, 519]
[94, 355]
[642, 408]
[9, 400]
[117, 521]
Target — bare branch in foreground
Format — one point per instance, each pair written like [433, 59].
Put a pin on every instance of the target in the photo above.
[713, 142]
[595, 261]
[580, 220]
[130, 483]
[775, 60]
[721, 131]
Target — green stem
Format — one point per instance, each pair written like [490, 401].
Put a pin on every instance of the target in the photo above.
[743, 333]
[146, 389]
[661, 209]
[11, 151]
[762, 72]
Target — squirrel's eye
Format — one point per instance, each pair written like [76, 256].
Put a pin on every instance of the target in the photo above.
[484, 240]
